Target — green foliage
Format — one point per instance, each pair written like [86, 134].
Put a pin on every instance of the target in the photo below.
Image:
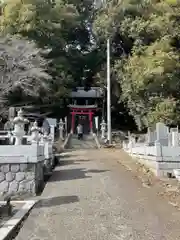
[145, 50]
[62, 26]
[148, 69]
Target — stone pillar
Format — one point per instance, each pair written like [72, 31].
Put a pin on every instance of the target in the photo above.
[19, 123]
[48, 162]
[103, 129]
[170, 139]
[11, 114]
[90, 121]
[52, 132]
[158, 149]
[130, 146]
[72, 122]
[61, 129]
[175, 139]
[66, 127]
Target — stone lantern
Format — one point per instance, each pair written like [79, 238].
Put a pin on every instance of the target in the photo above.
[47, 138]
[19, 123]
[35, 133]
[103, 129]
[61, 128]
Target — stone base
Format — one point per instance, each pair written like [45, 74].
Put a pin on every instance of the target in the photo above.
[161, 167]
[5, 210]
[53, 162]
[21, 178]
[47, 166]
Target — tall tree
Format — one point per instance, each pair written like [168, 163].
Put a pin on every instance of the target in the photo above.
[145, 56]
[66, 27]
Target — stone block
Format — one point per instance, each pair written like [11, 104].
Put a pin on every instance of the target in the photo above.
[23, 167]
[20, 176]
[30, 167]
[30, 176]
[13, 187]
[15, 168]
[2, 176]
[4, 187]
[10, 176]
[5, 168]
[30, 186]
[22, 187]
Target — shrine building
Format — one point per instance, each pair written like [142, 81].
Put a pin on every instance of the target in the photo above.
[84, 106]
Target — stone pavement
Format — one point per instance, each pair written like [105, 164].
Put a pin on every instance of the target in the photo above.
[92, 197]
[87, 142]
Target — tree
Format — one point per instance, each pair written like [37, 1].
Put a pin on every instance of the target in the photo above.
[50, 25]
[21, 67]
[62, 25]
[145, 56]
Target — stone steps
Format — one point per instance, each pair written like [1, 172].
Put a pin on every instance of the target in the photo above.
[86, 143]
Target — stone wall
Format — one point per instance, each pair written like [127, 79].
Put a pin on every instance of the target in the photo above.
[21, 178]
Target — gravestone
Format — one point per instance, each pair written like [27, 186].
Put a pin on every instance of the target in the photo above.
[151, 136]
[162, 133]
[173, 137]
[11, 113]
[173, 129]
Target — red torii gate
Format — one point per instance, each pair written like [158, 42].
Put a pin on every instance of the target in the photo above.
[82, 111]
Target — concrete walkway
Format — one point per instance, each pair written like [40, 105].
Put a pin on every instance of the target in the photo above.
[92, 197]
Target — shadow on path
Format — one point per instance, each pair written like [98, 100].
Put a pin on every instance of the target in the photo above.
[71, 174]
[56, 201]
[66, 156]
[82, 160]
[68, 174]
[67, 162]
[97, 171]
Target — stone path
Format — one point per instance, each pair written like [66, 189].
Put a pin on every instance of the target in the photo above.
[92, 197]
[87, 142]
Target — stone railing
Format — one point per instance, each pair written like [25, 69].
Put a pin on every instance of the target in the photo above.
[22, 167]
[162, 160]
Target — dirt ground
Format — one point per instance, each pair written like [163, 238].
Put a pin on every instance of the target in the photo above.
[168, 188]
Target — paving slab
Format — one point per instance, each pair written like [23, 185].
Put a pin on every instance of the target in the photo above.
[92, 197]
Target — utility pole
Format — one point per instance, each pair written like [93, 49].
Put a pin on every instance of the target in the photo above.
[108, 94]
[99, 4]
